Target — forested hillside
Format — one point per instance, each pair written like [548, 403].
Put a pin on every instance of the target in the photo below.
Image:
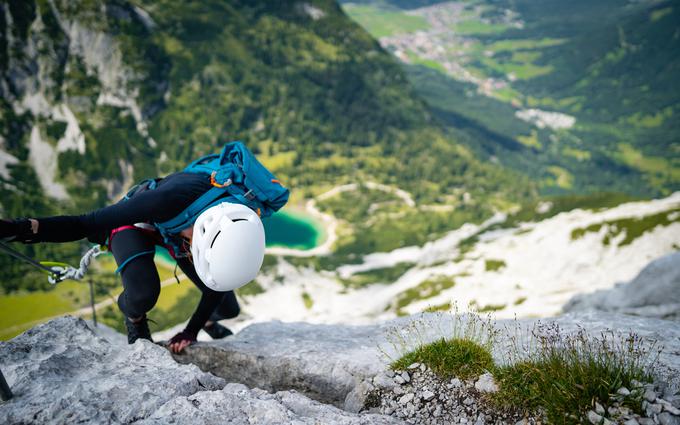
[581, 96]
[99, 94]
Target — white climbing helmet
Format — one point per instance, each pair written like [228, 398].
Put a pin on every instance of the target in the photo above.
[227, 246]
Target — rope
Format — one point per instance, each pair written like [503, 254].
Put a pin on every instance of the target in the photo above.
[63, 272]
[57, 272]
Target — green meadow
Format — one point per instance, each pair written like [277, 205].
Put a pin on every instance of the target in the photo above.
[382, 23]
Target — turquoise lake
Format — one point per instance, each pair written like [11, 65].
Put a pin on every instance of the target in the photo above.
[292, 230]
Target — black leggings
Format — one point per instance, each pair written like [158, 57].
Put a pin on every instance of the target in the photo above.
[134, 251]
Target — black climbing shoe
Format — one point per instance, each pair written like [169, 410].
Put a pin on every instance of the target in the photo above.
[137, 330]
[217, 331]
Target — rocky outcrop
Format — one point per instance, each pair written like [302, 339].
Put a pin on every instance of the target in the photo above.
[342, 365]
[429, 400]
[236, 404]
[330, 363]
[62, 372]
[278, 373]
[655, 292]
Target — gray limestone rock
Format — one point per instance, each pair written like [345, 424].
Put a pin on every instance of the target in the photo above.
[668, 407]
[328, 362]
[406, 398]
[666, 418]
[623, 391]
[355, 400]
[456, 383]
[594, 418]
[61, 372]
[427, 395]
[382, 380]
[486, 384]
[324, 362]
[654, 292]
[238, 405]
[109, 334]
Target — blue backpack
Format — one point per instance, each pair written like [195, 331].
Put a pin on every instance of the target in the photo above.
[237, 177]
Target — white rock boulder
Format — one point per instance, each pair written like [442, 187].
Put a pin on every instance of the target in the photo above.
[654, 292]
[62, 372]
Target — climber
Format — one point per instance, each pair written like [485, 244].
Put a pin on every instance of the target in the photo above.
[212, 229]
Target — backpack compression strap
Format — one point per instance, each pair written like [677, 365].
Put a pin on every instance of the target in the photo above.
[187, 217]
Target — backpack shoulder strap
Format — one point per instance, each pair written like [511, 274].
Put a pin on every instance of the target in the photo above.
[187, 217]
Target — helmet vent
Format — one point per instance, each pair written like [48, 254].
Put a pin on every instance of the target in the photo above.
[215, 238]
[238, 219]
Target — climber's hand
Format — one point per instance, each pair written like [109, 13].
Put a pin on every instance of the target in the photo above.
[20, 230]
[181, 341]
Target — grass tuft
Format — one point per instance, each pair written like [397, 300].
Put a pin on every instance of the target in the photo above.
[251, 289]
[428, 288]
[493, 265]
[565, 374]
[307, 300]
[447, 358]
[465, 352]
[632, 227]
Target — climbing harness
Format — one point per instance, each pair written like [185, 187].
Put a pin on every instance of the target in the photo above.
[57, 272]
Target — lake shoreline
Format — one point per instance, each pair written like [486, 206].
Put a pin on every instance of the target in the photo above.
[324, 224]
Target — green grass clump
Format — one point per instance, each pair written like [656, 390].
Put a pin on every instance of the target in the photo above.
[493, 265]
[385, 275]
[512, 45]
[491, 307]
[307, 300]
[593, 202]
[566, 374]
[424, 290]
[465, 353]
[549, 373]
[252, 288]
[439, 307]
[447, 358]
[269, 262]
[633, 227]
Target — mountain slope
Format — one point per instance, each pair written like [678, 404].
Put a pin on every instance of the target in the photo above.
[98, 95]
[511, 266]
[579, 96]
